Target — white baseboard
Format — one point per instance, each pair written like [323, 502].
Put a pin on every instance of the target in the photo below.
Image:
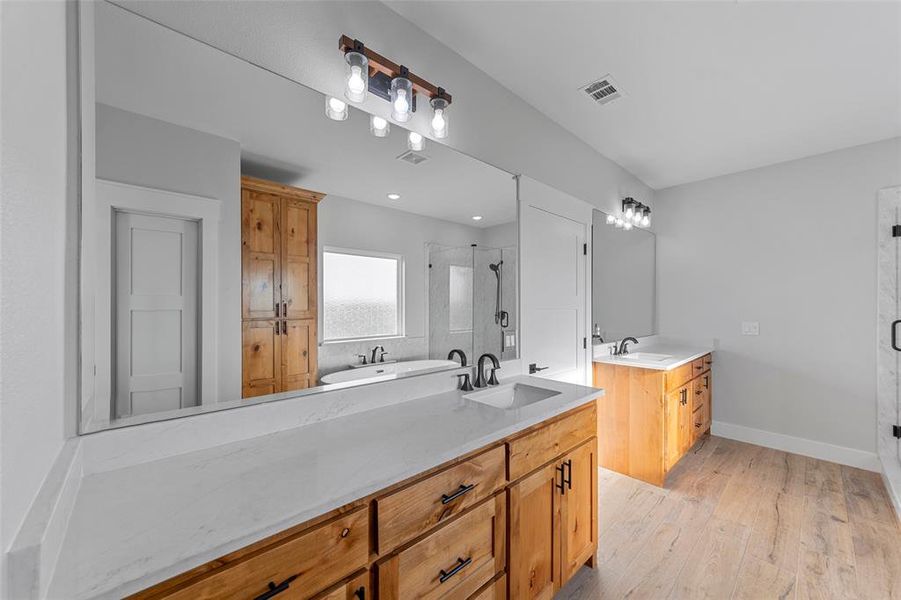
[821, 450]
[891, 476]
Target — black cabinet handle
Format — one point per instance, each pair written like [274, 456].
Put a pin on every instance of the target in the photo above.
[276, 309]
[463, 489]
[284, 328]
[461, 564]
[569, 477]
[276, 328]
[284, 309]
[895, 335]
[562, 485]
[360, 593]
[275, 590]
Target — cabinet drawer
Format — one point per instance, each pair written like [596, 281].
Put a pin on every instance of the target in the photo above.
[708, 361]
[697, 367]
[678, 377]
[409, 512]
[700, 420]
[494, 590]
[541, 446]
[314, 559]
[699, 392]
[354, 588]
[453, 562]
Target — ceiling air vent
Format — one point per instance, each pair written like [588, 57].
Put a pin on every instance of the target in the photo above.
[603, 91]
[412, 157]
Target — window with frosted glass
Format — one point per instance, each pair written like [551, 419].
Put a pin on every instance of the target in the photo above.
[361, 296]
[460, 301]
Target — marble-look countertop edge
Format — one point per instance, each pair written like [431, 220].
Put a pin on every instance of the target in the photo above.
[187, 563]
[668, 366]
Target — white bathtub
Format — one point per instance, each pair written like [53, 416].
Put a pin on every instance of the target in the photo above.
[388, 370]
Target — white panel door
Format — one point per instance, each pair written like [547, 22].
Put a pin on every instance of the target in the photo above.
[553, 294]
[157, 289]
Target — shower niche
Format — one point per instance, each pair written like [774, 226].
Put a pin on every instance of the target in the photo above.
[472, 301]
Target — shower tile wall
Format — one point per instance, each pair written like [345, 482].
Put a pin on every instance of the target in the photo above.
[441, 339]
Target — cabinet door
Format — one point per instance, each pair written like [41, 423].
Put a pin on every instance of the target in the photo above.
[535, 505]
[672, 436]
[261, 358]
[298, 224]
[260, 255]
[298, 339]
[686, 437]
[579, 511]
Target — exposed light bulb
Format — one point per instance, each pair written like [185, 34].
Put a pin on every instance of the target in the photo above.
[393, 196]
[378, 126]
[627, 225]
[636, 218]
[356, 79]
[401, 96]
[415, 141]
[439, 116]
[611, 219]
[477, 218]
[438, 122]
[646, 220]
[401, 105]
[335, 109]
[629, 212]
[620, 223]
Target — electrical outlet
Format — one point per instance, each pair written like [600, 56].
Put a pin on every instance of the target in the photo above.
[750, 328]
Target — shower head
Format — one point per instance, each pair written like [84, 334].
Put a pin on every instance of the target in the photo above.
[494, 267]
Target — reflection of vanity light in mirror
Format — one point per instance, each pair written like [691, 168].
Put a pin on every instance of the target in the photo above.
[335, 109]
[477, 218]
[634, 214]
[379, 126]
[393, 196]
[415, 142]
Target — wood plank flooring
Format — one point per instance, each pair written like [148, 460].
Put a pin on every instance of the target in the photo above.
[744, 522]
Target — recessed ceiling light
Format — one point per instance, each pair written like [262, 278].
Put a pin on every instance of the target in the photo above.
[477, 218]
[393, 196]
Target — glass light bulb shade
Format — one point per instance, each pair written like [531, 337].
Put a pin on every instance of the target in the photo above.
[619, 222]
[401, 99]
[415, 141]
[356, 76]
[611, 219]
[629, 210]
[378, 126]
[627, 225]
[646, 220]
[439, 118]
[335, 109]
[636, 218]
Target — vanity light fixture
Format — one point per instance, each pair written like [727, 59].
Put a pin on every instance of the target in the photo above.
[335, 109]
[378, 126]
[393, 196]
[367, 70]
[633, 214]
[415, 141]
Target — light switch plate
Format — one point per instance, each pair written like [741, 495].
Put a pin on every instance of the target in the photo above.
[750, 328]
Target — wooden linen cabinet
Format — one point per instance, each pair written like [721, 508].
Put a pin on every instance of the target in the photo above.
[278, 287]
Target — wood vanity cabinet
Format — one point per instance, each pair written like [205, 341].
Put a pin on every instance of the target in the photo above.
[467, 530]
[648, 419]
[278, 287]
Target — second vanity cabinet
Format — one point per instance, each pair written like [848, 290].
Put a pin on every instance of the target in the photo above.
[650, 418]
[515, 519]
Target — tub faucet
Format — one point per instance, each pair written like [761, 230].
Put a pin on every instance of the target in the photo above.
[381, 356]
[458, 352]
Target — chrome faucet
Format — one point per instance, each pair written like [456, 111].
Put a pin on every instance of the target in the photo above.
[458, 352]
[623, 347]
[480, 371]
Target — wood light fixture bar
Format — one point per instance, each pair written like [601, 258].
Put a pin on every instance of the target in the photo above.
[390, 69]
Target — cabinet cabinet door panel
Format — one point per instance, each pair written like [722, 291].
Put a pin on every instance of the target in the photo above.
[298, 256]
[298, 361]
[579, 514]
[260, 255]
[261, 358]
[534, 570]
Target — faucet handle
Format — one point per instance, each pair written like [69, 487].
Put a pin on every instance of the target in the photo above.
[382, 356]
[492, 379]
[362, 358]
[465, 384]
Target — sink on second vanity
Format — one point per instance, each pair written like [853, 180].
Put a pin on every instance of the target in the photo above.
[511, 395]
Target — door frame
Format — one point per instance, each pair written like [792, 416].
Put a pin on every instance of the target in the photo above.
[112, 196]
[555, 202]
[888, 308]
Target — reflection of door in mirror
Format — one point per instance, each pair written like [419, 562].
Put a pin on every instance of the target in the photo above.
[156, 326]
[279, 294]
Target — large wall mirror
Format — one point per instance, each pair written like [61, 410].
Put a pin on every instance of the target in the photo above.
[238, 245]
[623, 281]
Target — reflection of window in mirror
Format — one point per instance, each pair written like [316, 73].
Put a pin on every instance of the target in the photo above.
[361, 295]
[460, 298]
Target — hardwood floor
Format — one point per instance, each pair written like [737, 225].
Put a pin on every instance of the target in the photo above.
[745, 522]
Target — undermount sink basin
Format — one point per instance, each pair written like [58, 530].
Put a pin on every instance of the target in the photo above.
[646, 356]
[511, 395]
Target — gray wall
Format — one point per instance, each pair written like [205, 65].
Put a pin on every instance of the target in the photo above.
[135, 149]
[792, 246]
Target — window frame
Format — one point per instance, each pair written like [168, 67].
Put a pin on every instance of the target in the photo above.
[401, 290]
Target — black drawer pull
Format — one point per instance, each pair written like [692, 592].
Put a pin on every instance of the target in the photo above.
[275, 590]
[461, 564]
[463, 489]
[569, 477]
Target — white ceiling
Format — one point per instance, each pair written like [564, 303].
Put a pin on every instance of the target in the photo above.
[710, 87]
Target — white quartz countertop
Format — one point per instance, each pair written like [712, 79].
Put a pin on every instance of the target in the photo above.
[133, 527]
[678, 354]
